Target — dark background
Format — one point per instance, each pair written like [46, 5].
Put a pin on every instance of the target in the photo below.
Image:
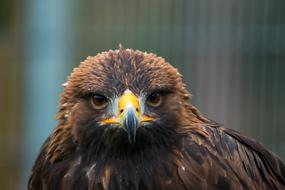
[230, 52]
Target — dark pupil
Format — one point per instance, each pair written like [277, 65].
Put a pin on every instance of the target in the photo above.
[154, 97]
[100, 99]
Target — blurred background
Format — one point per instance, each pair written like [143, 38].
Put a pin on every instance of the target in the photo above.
[231, 53]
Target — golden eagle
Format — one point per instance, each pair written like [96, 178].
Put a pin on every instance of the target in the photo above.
[125, 121]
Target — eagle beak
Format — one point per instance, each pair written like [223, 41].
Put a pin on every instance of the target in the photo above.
[130, 123]
[129, 114]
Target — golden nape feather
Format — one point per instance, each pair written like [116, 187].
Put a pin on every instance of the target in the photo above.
[126, 121]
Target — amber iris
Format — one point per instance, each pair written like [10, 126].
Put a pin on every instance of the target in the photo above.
[154, 99]
[99, 101]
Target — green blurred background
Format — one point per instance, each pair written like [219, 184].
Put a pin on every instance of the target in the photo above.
[230, 52]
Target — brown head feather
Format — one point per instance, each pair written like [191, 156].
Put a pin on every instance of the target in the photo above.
[113, 72]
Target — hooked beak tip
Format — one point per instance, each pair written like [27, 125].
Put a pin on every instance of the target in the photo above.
[131, 124]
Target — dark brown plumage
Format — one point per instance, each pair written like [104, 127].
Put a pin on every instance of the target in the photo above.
[153, 138]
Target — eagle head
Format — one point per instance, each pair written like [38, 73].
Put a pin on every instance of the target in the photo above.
[124, 98]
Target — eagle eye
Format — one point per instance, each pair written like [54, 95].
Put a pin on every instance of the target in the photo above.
[99, 101]
[154, 99]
